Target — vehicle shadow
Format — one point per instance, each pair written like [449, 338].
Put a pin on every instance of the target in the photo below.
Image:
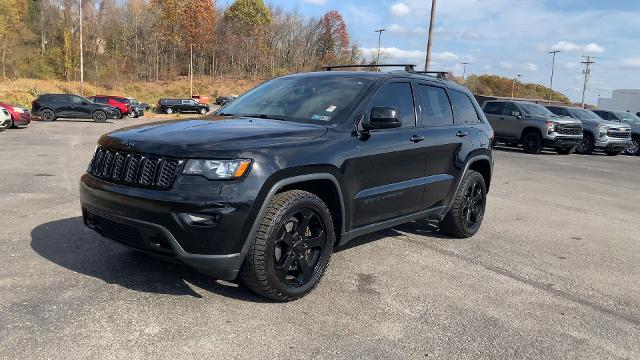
[70, 244]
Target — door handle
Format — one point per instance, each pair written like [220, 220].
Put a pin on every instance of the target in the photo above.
[462, 133]
[416, 138]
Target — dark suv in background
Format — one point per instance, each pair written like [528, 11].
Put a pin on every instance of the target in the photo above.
[294, 167]
[171, 106]
[53, 106]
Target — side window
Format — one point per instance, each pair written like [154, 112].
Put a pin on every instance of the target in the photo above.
[555, 110]
[100, 100]
[76, 99]
[494, 107]
[399, 96]
[509, 108]
[464, 108]
[435, 108]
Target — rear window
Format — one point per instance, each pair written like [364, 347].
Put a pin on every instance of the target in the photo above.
[464, 108]
[435, 109]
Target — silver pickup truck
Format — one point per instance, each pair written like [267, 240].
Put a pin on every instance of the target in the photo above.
[608, 136]
[533, 126]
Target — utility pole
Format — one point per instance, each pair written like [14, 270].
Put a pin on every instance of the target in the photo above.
[191, 71]
[513, 85]
[464, 70]
[553, 65]
[379, 31]
[586, 72]
[432, 20]
[81, 55]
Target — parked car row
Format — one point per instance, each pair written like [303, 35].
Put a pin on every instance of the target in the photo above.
[563, 128]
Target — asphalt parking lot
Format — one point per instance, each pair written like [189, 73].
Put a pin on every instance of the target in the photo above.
[553, 273]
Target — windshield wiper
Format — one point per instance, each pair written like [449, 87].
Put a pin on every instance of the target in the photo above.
[264, 116]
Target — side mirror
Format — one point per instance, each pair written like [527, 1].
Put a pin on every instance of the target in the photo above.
[383, 118]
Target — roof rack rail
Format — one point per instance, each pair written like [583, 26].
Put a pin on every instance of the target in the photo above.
[445, 75]
[407, 67]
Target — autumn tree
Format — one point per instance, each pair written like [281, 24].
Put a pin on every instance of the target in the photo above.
[334, 41]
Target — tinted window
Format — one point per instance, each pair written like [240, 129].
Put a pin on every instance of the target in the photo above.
[464, 107]
[603, 114]
[399, 96]
[100, 100]
[76, 99]
[494, 107]
[535, 109]
[435, 109]
[509, 109]
[557, 110]
[584, 114]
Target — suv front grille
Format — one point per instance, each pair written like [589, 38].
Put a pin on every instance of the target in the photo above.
[619, 134]
[134, 169]
[569, 129]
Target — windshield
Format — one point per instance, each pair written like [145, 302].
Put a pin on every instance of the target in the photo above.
[311, 99]
[535, 109]
[584, 114]
[628, 117]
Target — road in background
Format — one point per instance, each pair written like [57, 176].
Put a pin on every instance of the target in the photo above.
[553, 273]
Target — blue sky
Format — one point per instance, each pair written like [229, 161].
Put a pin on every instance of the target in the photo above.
[503, 37]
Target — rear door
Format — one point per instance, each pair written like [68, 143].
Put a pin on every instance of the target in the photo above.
[444, 140]
[511, 121]
[494, 111]
[80, 108]
[62, 106]
[388, 166]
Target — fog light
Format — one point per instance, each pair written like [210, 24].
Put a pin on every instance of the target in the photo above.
[200, 219]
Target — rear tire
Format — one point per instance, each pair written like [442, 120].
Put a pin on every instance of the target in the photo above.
[47, 115]
[99, 116]
[285, 262]
[586, 146]
[467, 210]
[565, 151]
[532, 143]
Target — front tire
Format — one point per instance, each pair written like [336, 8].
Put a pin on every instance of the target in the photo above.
[467, 210]
[48, 115]
[532, 143]
[586, 146]
[292, 248]
[99, 116]
[118, 114]
[634, 147]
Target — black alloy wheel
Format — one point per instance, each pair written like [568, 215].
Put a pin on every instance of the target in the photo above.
[299, 247]
[634, 146]
[532, 143]
[99, 116]
[118, 114]
[47, 115]
[467, 209]
[292, 247]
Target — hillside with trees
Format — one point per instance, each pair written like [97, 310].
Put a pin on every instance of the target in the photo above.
[151, 40]
[494, 85]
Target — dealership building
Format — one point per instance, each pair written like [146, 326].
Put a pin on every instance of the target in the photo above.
[621, 100]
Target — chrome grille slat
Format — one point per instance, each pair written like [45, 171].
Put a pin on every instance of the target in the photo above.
[133, 169]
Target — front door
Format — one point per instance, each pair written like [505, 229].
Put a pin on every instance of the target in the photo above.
[388, 166]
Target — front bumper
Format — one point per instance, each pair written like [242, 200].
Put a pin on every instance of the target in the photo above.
[612, 144]
[23, 120]
[133, 217]
[562, 141]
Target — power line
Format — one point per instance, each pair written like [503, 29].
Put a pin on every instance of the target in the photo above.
[586, 72]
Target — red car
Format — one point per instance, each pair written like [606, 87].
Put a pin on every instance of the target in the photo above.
[20, 117]
[123, 104]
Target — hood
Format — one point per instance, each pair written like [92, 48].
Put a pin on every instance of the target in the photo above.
[604, 122]
[556, 118]
[219, 137]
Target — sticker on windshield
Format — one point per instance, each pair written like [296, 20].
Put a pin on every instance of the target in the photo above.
[321, 117]
[331, 108]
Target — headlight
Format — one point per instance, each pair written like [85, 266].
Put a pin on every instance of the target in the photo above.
[18, 110]
[551, 126]
[603, 130]
[217, 169]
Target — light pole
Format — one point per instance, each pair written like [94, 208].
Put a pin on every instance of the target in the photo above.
[553, 65]
[464, 69]
[191, 71]
[379, 31]
[432, 21]
[81, 55]
[513, 85]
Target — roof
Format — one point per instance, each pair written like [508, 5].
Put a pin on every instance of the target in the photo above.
[374, 75]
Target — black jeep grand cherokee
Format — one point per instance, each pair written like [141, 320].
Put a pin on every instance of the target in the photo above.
[294, 167]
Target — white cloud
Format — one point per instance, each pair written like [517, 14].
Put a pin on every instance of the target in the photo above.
[569, 65]
[525, 66]
[399, 29]
[415, 56]
[315, 2]
[399, 9]
[567, 46]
